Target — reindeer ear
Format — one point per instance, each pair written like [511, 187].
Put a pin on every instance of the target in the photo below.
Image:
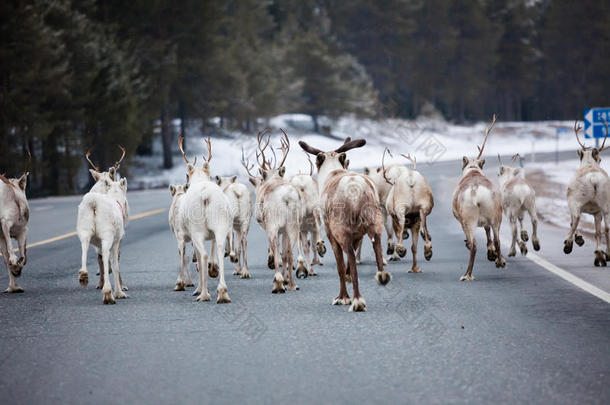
[379, 170]
[481, 163]
[112, 173]
[342, 157]
[464, 161]
[218, 180]
[516, 171]
[253, 181]
[501, 169]
[233, 179]
[96, 175]
[282, 171]
[347, 164]
[23, 181]
[320, 159]
[124, 183]
[367, 171]
[172, 189]
[189, 168]
[595, 154]
[185, 187]
[580, 153]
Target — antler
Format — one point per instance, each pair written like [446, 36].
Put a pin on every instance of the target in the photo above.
[349, 144]
[285, 147]
[310, 163]
[499, 159]
[118, 163]
[180, 141]
[603, 148]
[208, 144]
[93, 166]
[383, 166]
[411, 159]
[4, 179]
[577, 128]
[246, 164]
[515, 156]
[259, 138]
[487, 131]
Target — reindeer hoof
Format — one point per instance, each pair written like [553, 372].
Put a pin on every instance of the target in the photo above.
[204, 296]
[524, 236]
[179, 286]
[567, 246]
[223, 296]
[278, 284]
[394, 257]
[108, 298]
[415, 269]
[83, 278]
[467, 277]
[512, 252]
[348, 278]
[301, 271]
[500, 262]
[390, 250]
[312, 273]
[579, 240]
[14, 290]
[536, 244]
[321, 248]
[244, 273]
[342, 301]
[523, 248]
[271, 262]
[233, 257]
[358, 305]
[400, 249]
[213, 270]
[194, 259]
[491, 254]
[428, 252]
[383, 277]
[292, 287]
[600, 259]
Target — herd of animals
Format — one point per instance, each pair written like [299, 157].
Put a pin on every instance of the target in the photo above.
[292, 212]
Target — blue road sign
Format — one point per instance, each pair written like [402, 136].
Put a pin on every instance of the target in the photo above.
[594, 122]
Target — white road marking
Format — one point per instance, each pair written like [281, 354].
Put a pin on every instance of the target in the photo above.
[567, 276]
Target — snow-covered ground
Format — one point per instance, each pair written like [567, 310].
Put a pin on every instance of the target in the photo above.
[428, 140]
[550, 181]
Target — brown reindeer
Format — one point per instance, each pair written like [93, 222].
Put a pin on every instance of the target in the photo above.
[351, 211]
[477, 203]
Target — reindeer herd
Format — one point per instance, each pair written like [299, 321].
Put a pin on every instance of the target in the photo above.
[293, 211]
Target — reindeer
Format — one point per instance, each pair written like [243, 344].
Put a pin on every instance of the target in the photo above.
[177, 226]
[14, 217]
[101, 222]
[241, 203]
[517, 198]
[588, 192]
[311, 224]
[409, 203]
[206, 214]
[477, 203]
[351, 210]
[279, 212]
[100, 187]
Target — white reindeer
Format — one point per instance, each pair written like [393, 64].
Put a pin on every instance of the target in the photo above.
[177, 226]
[279, 212]
[589, 193]
[351, 210]
[312, 222]
[408, 204]
[14, 217]
[477, 203]
[518, 197]
[241, 204]
[101, 222]
[206, 214]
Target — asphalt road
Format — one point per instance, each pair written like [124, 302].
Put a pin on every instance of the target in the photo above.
[519, 334]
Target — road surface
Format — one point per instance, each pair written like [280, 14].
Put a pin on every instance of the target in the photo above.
[522, 334]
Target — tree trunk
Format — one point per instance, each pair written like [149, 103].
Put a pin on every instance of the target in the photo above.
[166, 137]
[316, 126]
[182, 123]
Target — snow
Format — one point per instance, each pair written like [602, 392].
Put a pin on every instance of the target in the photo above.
[429, 140]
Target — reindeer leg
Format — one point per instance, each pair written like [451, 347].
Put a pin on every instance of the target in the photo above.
[491, 251]
[108, 298]
[244, 252]
[278, 279]
[600, 257]
[382, 276]
[303, 267]
[118, 287]
[180, 283]
[524, 235]
[415, 237]
[513, 224]
[83, 274]
[320, 247]
[212, 265]
[223, 294]
[358, 303]
[427, 240]
[387, 223]
[306, 250]
[233, 251]
[574, 219]
[471, 244]
[500, 262]
[12, 284]
[358, 255]
[398, 225]
[343, 298]
[534, 218]
[202, 262]
[289, 240]
[236, 251]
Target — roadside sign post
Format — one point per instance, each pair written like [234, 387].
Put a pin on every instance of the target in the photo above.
[594, 123]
